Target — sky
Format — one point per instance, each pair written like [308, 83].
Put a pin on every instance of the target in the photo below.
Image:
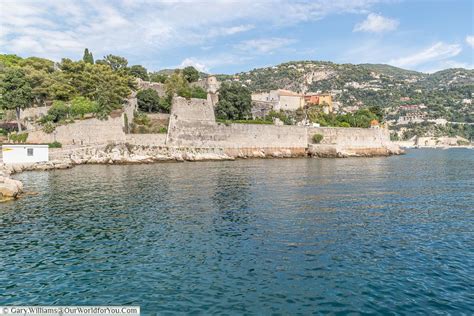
[240, 35]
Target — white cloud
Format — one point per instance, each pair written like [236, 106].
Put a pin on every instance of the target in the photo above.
[436, 52]
[445, 64]
[206, 64]
[231, 30]
[470, 40]
[264, 45]
[143, 28]
[376, 23]
[195, 63]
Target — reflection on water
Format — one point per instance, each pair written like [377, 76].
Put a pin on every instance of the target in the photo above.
[251, 236]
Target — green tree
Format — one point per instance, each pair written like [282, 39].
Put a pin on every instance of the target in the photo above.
[198, 93]
[58, 112]
[234, 102]
[88, 58]
[148, 100]
[80, 106]
[9, 60]
[177, 84]
[96, 82]
[190, 74]
[115, 62]
[16, 93]
[378, 111]
[38, 72]
[138, 71]
[158, 77]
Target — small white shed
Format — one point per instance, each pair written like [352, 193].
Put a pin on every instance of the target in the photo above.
[24, 153]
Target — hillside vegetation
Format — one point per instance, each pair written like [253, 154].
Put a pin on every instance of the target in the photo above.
[442, 95]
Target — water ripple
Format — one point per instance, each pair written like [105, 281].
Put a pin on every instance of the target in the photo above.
[297, 236]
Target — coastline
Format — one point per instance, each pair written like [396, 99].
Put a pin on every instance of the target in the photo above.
[125, 153]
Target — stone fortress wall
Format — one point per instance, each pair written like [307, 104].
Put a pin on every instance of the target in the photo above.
[90, 131]
[84, 132]
[192, 124]
[351, 137]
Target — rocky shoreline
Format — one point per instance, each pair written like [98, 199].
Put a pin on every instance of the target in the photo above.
[336, 151]
[136, 154]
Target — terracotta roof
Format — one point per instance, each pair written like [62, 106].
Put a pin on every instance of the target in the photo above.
[374, 122]
[288, 93]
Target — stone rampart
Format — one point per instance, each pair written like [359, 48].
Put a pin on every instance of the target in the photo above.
[146, 139]
[192, 125]
[210, 134]
[351, 137]
[157, 86]
[85, 132]
[184, 109]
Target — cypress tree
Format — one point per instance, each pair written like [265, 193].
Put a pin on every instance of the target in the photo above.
[88, 58]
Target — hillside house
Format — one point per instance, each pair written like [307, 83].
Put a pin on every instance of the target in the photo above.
[287, 100]
[280, 99]
[323, 100]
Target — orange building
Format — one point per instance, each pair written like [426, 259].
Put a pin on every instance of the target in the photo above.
[374, 124]
[324, 100]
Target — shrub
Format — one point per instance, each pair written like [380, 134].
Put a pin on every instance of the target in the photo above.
[18, 138]
[198, 93]
[157, 77]
[48, 127]
[462, 142]
[344, 124]
[317, 138]
[141, 118]
[281, 116]
[55, 145]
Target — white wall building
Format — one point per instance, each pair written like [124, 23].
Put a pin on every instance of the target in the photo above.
[24, 153]
[282, 99]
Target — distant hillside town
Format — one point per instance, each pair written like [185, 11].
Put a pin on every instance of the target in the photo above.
[413, 103]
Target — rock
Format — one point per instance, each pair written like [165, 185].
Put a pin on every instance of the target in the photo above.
[64, 165]
[258, 154]
[139, 159]
[9, 188]
[323, 151]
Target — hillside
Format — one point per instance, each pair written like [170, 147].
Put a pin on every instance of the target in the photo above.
[444, 94]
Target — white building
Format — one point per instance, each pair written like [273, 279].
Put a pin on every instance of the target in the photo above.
[282, 99]
[25, 153]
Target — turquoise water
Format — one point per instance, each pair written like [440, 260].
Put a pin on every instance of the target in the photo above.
[283, 236]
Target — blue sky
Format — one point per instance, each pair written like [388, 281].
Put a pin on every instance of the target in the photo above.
[234, 36]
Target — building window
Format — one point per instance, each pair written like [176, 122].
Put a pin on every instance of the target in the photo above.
[29, 151]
